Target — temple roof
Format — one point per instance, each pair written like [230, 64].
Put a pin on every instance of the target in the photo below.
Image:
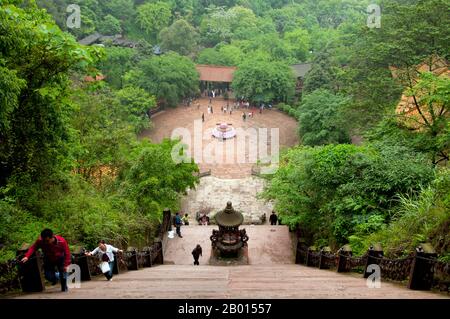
[214, 73]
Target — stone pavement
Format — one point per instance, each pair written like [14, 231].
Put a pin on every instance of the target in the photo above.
[271, 274]
[267, 245]
[255, 281]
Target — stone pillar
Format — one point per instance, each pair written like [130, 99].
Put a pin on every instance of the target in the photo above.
[81, 260]
[344, 253]
[132, 260]
[31, 275]
[160, 254]
[300, 257]
[120, 263]
[323, 255]
[167, 217]
[147, 251]
[311, 250]
[422, 268]
[374, 254]
[116, 268]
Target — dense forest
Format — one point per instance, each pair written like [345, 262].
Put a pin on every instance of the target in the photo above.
[70, 158]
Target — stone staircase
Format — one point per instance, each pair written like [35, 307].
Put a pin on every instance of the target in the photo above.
[213, 193]
[270, 275]
[226, 282]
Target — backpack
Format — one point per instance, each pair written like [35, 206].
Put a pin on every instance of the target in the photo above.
[105, 257]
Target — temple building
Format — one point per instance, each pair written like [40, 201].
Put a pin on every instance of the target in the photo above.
[213, 77]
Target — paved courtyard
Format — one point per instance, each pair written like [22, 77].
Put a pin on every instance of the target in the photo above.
[224, 158]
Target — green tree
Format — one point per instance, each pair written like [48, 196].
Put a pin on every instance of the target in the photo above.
[122, 9]
[298, 40]
[90, 17]
[118, 60]
[332, 192]
[272, 45]
[321, 119]
[104, 131]
[287, 18]
[222, 25]
[324, 73]
[153, 17]
[109, 26]
[259, 7]
[180, 37]
[431, 99]
[231, 55]
[263, 81]
[210, 56]
[398, 43]
[138, 103]
[35, 63]
[155, 180]
[331, 13]
[169, 77]
[227, 55]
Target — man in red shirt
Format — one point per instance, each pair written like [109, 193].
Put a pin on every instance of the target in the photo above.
[56, 255]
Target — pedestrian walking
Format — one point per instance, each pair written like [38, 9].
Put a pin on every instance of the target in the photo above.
[273, 218]
[105, 253]
[196, 253]
[56, 256]
[178, 223]
[203, 117]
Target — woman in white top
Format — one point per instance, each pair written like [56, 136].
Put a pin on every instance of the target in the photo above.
[105, 253]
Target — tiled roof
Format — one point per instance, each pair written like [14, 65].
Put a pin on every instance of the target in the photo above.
[213, 73]
[90, 39]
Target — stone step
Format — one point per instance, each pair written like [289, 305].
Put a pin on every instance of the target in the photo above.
[222, 282]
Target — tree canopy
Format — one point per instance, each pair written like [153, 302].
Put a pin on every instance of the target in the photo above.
[320, 117]
[169, 77]
[263, 81]
[180, 37]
